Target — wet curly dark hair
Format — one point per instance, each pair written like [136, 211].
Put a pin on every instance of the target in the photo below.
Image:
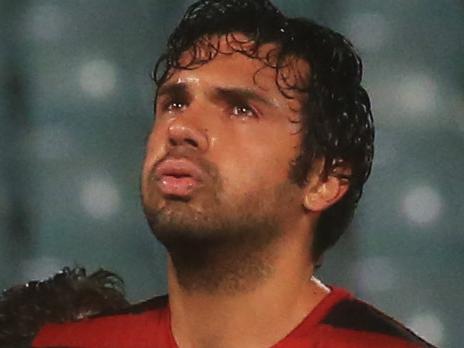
[67, 296]
[337, 124]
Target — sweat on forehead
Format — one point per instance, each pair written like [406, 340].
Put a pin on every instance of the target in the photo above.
[290, 72]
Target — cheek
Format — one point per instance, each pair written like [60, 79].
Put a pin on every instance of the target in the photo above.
[272, 151]
[259, 163]
[154, 148]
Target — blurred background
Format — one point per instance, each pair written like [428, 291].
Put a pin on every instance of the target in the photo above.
[76, 105]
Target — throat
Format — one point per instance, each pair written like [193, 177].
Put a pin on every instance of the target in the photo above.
[218, 269]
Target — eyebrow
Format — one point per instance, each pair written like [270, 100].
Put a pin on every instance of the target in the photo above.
[174, 89]
[240, 94]
[181, 90]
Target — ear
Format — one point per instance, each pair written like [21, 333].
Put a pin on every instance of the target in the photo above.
[321, 193]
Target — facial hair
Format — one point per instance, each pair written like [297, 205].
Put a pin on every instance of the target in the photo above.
[226, 246]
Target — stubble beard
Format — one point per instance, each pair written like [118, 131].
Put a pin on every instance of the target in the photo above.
[225, 248]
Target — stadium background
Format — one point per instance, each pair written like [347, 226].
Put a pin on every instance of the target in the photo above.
[76, 105]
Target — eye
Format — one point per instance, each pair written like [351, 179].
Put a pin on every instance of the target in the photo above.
[175, 106]
[243, 111]
[171, 105]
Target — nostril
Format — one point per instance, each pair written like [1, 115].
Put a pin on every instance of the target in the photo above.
[191, 142]
[186, 141]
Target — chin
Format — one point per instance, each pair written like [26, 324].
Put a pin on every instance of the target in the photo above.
[177, 223]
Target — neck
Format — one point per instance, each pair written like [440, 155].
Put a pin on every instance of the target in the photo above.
[260, 302]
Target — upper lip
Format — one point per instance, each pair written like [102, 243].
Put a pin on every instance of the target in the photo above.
[178, 167]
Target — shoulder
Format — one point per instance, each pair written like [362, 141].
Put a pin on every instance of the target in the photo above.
[69, 295]
[110, 328]
[354, 321]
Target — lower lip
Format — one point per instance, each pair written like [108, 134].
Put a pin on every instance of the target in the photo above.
[183, 186]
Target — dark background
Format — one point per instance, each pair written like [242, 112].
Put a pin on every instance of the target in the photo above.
[76, 105]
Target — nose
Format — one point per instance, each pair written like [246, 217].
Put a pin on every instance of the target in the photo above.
[182, 132]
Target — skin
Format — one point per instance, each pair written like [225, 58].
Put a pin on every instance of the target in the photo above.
[250, 285]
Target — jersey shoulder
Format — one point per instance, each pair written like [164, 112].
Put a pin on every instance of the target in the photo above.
[69, 295]
[145, 322]
[355, 321]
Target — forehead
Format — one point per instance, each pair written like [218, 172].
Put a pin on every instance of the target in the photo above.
[236, 56]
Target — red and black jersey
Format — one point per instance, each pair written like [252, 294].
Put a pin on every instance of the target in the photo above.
[339, 320]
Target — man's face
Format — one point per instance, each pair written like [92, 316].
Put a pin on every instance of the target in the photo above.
[219, 154]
